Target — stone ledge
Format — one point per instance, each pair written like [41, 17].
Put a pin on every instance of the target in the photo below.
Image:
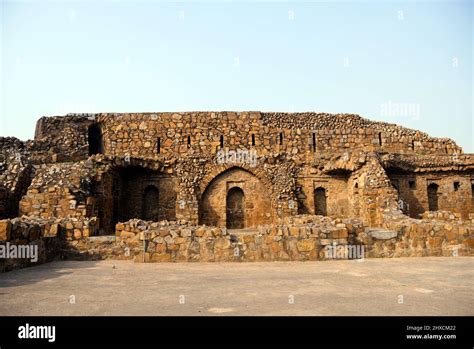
[381, 234]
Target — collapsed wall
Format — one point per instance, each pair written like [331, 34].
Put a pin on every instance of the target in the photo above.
[15, 175]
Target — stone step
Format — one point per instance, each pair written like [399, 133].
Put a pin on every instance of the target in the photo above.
[242, 231]
[380, 233]
[100, 239]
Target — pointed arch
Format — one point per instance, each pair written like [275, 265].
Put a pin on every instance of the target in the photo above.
[235, 208]
[238, 195]
[219, 169]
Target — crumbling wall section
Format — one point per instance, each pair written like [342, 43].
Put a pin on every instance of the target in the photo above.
[66, 136]
[439, 235]
[375, 194]
[16, 172]
[63, 189]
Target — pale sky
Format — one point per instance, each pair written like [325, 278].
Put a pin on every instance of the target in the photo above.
[404, 62]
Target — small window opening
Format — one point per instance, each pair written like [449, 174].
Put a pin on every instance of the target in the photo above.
[456, 186]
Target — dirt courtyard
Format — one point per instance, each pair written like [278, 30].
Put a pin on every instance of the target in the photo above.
[398, 286]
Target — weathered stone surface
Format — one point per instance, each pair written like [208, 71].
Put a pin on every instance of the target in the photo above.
[5, 230]
[306, 245]
[381, 234]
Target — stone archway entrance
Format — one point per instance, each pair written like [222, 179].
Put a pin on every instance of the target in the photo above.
[320, 205]
[235, 209]
[235, 199]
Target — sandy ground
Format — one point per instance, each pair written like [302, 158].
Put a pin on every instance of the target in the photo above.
[399, 286]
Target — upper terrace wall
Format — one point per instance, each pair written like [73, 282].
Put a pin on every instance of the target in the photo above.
[66, 136]
[157, 135]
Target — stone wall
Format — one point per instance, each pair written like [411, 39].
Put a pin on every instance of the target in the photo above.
[426, 237]
[15, 175]
[334, 193]
[350, 131]
[355, 185]
[255, 204]
[372, 192]
[300, 239]
[62, 189]
[54, 238]
[84, 174]
[66, 137]
[157, 135]
[455, 191]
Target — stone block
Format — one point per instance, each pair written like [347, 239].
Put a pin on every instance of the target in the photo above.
[5, 230]
[306, 245]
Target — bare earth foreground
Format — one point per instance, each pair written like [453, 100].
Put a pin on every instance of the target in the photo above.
[399, 286]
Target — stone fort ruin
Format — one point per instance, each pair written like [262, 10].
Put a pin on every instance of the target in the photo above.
[237, 186]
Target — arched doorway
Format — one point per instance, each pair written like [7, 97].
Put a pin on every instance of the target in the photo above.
[257, 206]
[150, 206]
[235, 208]
[433, 197]
[95, 140]
[320, 205]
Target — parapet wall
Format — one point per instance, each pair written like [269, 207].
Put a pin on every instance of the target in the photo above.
[158, 135]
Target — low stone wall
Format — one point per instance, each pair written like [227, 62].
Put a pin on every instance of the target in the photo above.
[39, 240]
[443, 234]
[24, 243]
[298, 239]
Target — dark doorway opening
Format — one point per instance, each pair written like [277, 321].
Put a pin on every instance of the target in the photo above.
[433, 197]
[472, 197]
[150, 206]
[320, 205]
[235, 209]
[95, 141]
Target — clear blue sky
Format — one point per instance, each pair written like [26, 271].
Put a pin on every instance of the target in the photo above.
[355, 57]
